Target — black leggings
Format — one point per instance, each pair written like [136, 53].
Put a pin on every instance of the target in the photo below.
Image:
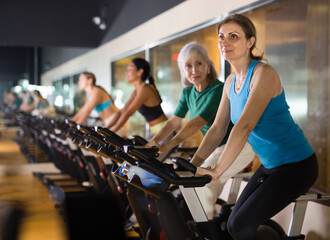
[267, 193]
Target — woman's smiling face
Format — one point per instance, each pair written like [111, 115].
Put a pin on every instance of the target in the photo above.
[196, 69]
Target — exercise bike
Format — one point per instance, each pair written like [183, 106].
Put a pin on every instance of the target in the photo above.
[201, 226]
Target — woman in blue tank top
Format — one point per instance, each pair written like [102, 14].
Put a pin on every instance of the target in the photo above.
[42, 106]
[254, 100]
[100, 101]
[27, 102]
[97, 99]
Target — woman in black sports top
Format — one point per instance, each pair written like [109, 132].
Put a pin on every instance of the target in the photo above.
[145, 98]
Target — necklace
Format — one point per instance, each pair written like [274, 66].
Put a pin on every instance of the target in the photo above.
[241, 81]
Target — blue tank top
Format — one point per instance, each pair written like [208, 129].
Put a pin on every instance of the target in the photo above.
[276, 139]
[102, 106]
[42, 105]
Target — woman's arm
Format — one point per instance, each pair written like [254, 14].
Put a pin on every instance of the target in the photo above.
[94, 98]
[114, 119]
[128, 103]
[169, 127]
[217, 131]
[189, 129]
[26, 107]
[77, 115]
[29, 107]
[137, 99]
[264, 85]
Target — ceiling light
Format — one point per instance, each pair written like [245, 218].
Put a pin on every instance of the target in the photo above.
[100, 20]
[96, 20]
[103, 25]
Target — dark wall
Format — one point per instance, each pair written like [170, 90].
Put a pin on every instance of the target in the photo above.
[16, 63]
[54, 56]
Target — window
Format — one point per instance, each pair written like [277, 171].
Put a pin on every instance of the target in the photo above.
[80, 96]
[68, 97]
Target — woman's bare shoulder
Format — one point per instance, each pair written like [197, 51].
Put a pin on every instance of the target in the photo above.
[148, 89]
[264, 68]
[266, 74]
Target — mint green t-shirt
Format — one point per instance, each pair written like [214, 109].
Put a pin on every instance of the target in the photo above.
[204, 104]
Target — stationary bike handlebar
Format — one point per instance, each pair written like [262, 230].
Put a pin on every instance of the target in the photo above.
[117, 141]
[166, 171]
[111, 137]
[145, 158]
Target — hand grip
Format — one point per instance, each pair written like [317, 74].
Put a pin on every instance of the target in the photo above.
[183, 163]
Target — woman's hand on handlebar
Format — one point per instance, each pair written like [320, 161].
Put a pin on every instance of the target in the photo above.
[152, 143]
[162, 148]
[207, 171]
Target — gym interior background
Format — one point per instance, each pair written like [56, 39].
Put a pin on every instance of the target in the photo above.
[50, 44]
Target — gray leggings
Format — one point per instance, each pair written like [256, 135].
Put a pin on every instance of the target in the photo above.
[267, 193]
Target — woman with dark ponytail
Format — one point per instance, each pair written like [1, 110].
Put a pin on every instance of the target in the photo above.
[145, 98]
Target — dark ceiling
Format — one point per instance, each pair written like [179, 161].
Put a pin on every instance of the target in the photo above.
[29, 27]
[53, 22]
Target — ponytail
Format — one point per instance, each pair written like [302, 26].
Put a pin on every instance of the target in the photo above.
[150, 80]
[111, 98]
[141, 63]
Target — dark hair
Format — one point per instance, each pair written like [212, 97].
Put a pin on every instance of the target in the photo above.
[141, 63]
[248, 28]
[37, 93]
[90, 75]
[14, 95]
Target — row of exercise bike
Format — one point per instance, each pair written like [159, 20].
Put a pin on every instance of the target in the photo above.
[102, 201]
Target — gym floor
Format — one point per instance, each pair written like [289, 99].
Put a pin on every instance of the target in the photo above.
[17, 185]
